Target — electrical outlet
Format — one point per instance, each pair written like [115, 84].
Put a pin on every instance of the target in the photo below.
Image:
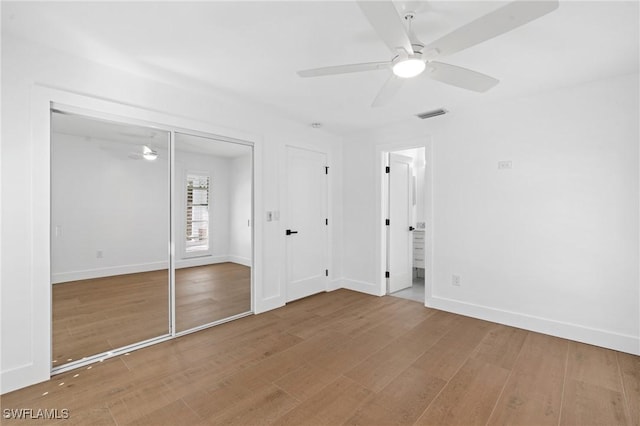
[455, 280]
[503, 165]
[99, 254]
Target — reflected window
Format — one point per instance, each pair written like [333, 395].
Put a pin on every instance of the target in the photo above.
[197, 213]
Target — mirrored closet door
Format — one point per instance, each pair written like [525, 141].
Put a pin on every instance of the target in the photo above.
[123, 195]
[110, 235]
[212, 229]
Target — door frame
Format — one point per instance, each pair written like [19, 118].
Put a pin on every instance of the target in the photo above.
[411, 192]
[381, 157]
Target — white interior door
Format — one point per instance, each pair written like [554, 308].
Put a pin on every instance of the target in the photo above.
[306, 223]
[400, 212]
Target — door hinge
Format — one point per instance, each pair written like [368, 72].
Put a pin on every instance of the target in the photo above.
[387, 222]
[386, 274]
[326, 272]
[326, 170]
[387, 169]
[326, 221]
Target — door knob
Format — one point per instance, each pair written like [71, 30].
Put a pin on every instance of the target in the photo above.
[289, 232]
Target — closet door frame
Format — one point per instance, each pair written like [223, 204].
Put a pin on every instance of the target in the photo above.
[44, 100]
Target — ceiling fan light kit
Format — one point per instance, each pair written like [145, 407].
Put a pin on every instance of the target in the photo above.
[411, 57]
[409, 67]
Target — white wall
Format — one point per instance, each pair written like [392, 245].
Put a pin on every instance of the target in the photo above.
[550, 245]
[240, 210]
[102, 200]
[24, 357]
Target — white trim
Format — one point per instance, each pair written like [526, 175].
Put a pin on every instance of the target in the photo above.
[269, 303]
[257, 251]
[37, 367]
[335, 284]
[172, 306]
[363, 287]
[607, 339]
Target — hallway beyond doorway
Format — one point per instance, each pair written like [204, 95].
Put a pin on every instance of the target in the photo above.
[415, 292]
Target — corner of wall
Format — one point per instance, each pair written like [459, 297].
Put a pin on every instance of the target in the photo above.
[362, 287]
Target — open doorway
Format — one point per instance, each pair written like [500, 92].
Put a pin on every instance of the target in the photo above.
[404, 240]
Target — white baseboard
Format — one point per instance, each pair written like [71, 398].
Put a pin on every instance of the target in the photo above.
[335, 284]
[268, 304]
[87, 274]
[200, 261]
[23, 376]
[362, 287]
[607, 339]
[239, 260]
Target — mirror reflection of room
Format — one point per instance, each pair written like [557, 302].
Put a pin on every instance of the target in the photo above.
[213, 244]
[110, 233]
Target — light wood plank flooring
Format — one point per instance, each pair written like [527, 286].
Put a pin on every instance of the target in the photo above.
[209, 293]
[345, 358]
[97, 315]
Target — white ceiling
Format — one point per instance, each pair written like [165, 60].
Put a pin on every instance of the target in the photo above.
[252, 50]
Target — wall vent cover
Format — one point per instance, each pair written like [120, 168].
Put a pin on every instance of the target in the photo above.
[434, 113]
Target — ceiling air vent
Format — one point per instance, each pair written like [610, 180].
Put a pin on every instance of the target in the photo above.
[434, 113]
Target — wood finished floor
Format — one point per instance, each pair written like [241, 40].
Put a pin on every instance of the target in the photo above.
[345, 358]
[97, 315]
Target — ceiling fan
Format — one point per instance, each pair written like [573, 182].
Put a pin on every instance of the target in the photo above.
[411, 57]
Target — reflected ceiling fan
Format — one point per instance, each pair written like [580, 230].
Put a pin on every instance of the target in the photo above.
[411, 57]
[145, 153]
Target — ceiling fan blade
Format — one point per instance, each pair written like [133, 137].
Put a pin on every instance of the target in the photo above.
[491, 25]
[388, 91]
[344, 69]
[460, 77]
[384, 18]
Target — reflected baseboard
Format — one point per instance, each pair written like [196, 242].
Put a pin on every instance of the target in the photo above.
[63, 277]
[245, 261]
[87, 274]
[200, 261]
[210, 260]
